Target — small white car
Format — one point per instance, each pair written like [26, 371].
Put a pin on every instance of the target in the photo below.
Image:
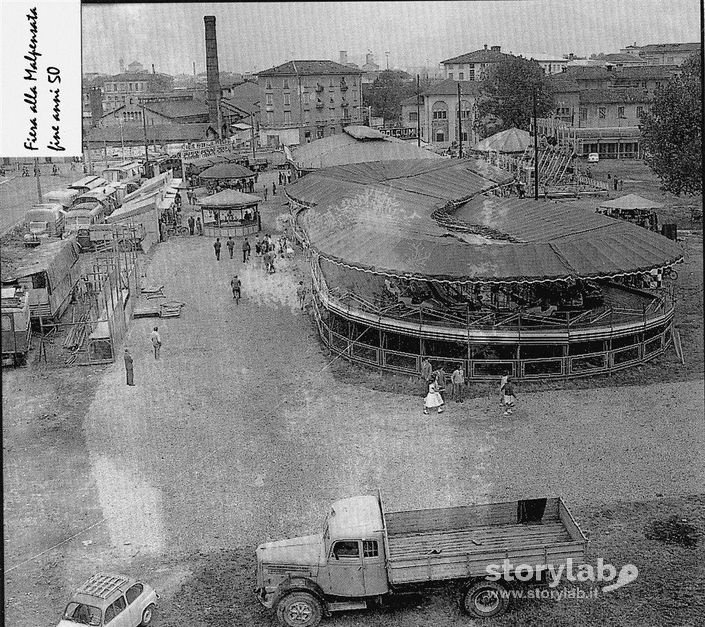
[593, 157]
[111, 601]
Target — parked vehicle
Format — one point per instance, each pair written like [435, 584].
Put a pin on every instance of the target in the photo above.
[49, 273]
[115, 600]
[366, 554]
[16, 327]
[126, 171]
[105, 195]
[593, 157]
[45, 220]
[65, 197]
[87, 183]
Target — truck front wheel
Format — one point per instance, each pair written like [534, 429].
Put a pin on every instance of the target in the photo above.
[485, 599]
[299, 609]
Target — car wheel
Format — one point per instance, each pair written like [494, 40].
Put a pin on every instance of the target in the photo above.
[299, 609]
[485, 599]
[147, 615]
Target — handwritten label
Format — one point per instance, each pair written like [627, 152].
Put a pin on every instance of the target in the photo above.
[41, 75]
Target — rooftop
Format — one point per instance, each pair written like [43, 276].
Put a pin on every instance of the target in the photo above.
[479, 56]
[309, 68]
[613, 95]
[664, 48]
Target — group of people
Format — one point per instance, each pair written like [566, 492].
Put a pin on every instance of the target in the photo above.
[435, 382]
[246, 186]
[155, 340]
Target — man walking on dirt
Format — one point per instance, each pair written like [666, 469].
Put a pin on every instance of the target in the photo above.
[236, 286]
[231, 245]
[245, 250]
[457, 380]
[301, 294]
[129, 372]
[156, 341]
[216, 247]
[426, 374]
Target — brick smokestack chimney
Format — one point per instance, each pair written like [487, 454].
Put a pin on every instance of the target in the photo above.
[212, 73]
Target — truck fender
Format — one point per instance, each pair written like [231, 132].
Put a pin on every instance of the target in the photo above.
[300, 584]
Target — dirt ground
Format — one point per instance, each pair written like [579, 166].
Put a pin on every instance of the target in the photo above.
[241, 433]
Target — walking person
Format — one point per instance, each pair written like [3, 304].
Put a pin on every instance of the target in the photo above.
[457, 380]
[258, 246]
[301, 294]
[231, 245]
[274, 188]
[502, 384]
[199, 226]
[266, 191]
[433, 399]
[216, 247]
[245, 250]
[441, 379]
[129, 371]
[426, 374]
[191, 224]
[156, 341]
[509, 397]
[236, 286]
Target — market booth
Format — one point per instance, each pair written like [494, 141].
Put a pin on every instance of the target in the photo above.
[226, 175]
[230, 213]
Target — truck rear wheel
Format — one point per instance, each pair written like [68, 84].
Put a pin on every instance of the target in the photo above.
[485, 599]
[299, 609]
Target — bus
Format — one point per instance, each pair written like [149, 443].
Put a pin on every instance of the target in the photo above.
[64, 197]
[45, 220]
[49, 273]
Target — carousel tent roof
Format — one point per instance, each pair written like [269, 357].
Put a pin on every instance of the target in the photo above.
[511, 140]
[226, 171]
[357, 144]
[631, 201]
[229, 198]
[379, 217]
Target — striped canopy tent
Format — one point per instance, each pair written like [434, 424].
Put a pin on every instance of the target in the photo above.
[509, 141]
[226, 171]
[434, 221]
[631, 201]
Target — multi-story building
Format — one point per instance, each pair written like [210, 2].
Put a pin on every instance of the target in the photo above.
[301, 101]
[664, 54]
[473, 66]
[645, 77]
[437, 107]
[118, 89]
[550, 64]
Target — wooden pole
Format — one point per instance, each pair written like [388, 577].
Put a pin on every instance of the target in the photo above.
[36, 176]
[146, 148]
[536, 150]
[460, 126]
[418, 112]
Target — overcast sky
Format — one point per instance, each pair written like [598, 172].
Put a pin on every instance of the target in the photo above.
[255, 36]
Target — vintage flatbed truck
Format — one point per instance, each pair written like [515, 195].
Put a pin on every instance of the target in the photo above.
[365, 555]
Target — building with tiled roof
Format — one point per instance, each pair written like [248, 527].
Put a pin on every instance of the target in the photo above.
[118, 89]
[473, 66]
[301, 101]
[664, 54]
[624, 60]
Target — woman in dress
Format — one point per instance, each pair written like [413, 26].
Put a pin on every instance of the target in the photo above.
[433, 398]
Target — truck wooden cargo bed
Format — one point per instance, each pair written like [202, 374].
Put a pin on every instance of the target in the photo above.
[460, 542]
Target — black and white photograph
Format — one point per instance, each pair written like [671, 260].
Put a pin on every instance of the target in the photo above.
[360, 314]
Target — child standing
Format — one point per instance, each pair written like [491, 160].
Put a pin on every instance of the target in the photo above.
[509, 397]
[433, 399]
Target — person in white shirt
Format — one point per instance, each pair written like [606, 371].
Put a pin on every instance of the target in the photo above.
[156, 341]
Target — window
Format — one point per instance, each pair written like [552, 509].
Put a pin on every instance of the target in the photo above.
[413, 116]
[270, 117]
[116, 608]
[319, 133]
[346, 549]
[369, 548]
[287, 99]
[39, 281]
[601, 112]
[269, 100]
[620, 112]
[471, 74]
[440, 136]
[450, 75]
[286, 83]
[461, 76]
[583, 114]
[639, 111]
[133, 593]
[465, 136]
[332, 130]
[306, 98]
[440, 115]
[287, 117]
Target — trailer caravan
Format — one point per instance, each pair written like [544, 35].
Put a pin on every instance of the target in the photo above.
[122, 172]
[16, 327]
[88, 183]
[65, 197]
[49, 273]
[45, 220]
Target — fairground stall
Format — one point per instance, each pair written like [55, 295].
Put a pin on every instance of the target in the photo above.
[424, 258]
[227, 176]
[230, 213]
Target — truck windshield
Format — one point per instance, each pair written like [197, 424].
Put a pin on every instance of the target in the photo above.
[38, 227]
[82, 614]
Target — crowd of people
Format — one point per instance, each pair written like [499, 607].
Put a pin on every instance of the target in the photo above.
[435, 383]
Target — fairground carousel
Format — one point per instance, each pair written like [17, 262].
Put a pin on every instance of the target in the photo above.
[437, 258]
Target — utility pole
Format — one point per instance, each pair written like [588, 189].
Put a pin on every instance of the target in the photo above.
[146, 149]
[418, 111]
[536, 151]
[252, 133]
[387, 55]
[460, 126]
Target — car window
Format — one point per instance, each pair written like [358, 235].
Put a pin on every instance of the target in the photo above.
[82, 614]
[346, 549]
[133, 593]
[114, 609]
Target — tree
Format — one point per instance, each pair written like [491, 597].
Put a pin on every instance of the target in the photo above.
[387, 92]
[672, 131]
[506, 96]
